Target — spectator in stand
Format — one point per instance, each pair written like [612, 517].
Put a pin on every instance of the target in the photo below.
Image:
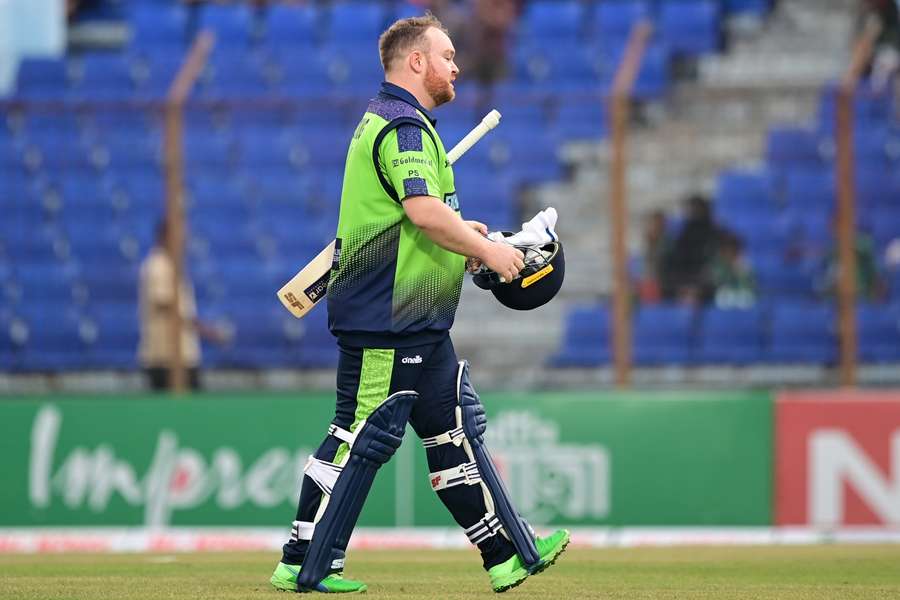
[657, 246]
[489, 39]
[686, 277]
[157, 302]
[732, 275]
[870, 286]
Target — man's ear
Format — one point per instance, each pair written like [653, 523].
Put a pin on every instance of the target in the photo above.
[416, 61]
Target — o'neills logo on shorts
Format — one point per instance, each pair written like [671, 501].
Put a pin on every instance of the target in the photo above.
[411, 360]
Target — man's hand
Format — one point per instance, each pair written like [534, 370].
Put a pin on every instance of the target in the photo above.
[478, 226]
[503, 259]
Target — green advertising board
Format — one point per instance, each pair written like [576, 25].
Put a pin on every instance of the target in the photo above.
[568, 458]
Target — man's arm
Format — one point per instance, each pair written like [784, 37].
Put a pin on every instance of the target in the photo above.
[444, 227]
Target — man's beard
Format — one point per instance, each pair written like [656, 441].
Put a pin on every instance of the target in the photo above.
[441, 91]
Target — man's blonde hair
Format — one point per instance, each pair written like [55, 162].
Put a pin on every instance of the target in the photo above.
[404, 36]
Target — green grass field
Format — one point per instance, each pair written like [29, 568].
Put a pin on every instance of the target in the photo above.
[817, 572]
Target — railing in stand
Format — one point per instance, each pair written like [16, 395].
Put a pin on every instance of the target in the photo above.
[846, 205]
[174, 174]
[620, 108]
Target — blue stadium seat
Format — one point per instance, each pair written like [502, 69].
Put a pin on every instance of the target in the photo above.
[207, 185]
[585, 338]
[319, 147]
[112, 335]
[406, 9]
[514, 116]
[54, 339]
[565, 65]
[104, 76]
[312, 345]
[9, 354]
[224, 211]
[16, 189]
[140, 183]
[106, 249]
[778, 278]
[730, 336]
[552, 20]
[233, 75]
[690, 27]
[663, 335]
[41, 78]
[349, 21]
[872, 147]
[893, 282]
[206, 150]
[67, 122]
[154, 71]
[127, 149]
[260, 339]
[886, 224]
[279, 187]
[484, 196]
[52, 150]
[797, 147]
[28, 240]
[801, 226]
[529, 155]
[159, 24]
[739, 189]
[612, 22]
[802, 333]
[116, 284]
[11, 155]
[810, 190]
[45, 281]
[232, 24]
[578, 119]
[130, 120]
[879, 333]
[268, 148]
[354, 71]
[756, 226]
[248, 283]
[653, 76]
[292, 25]
[871, 108]
[875, 191]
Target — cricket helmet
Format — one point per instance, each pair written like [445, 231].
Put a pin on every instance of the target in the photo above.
[536, 284]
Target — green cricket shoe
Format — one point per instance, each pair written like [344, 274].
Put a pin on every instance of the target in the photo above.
[285, 579]
[512, 572]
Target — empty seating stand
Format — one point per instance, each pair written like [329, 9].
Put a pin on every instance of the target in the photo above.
[261, 185]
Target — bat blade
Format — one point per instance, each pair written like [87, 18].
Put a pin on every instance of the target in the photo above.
[309, 286]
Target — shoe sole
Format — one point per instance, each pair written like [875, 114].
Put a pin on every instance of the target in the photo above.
[282, 586]
[539, 569]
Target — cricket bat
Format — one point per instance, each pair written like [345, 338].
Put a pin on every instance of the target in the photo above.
[310, 285]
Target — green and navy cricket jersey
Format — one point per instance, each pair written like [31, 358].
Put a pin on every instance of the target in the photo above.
[392, 286]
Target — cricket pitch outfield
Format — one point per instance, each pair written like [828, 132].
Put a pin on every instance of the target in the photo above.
[792, 572]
